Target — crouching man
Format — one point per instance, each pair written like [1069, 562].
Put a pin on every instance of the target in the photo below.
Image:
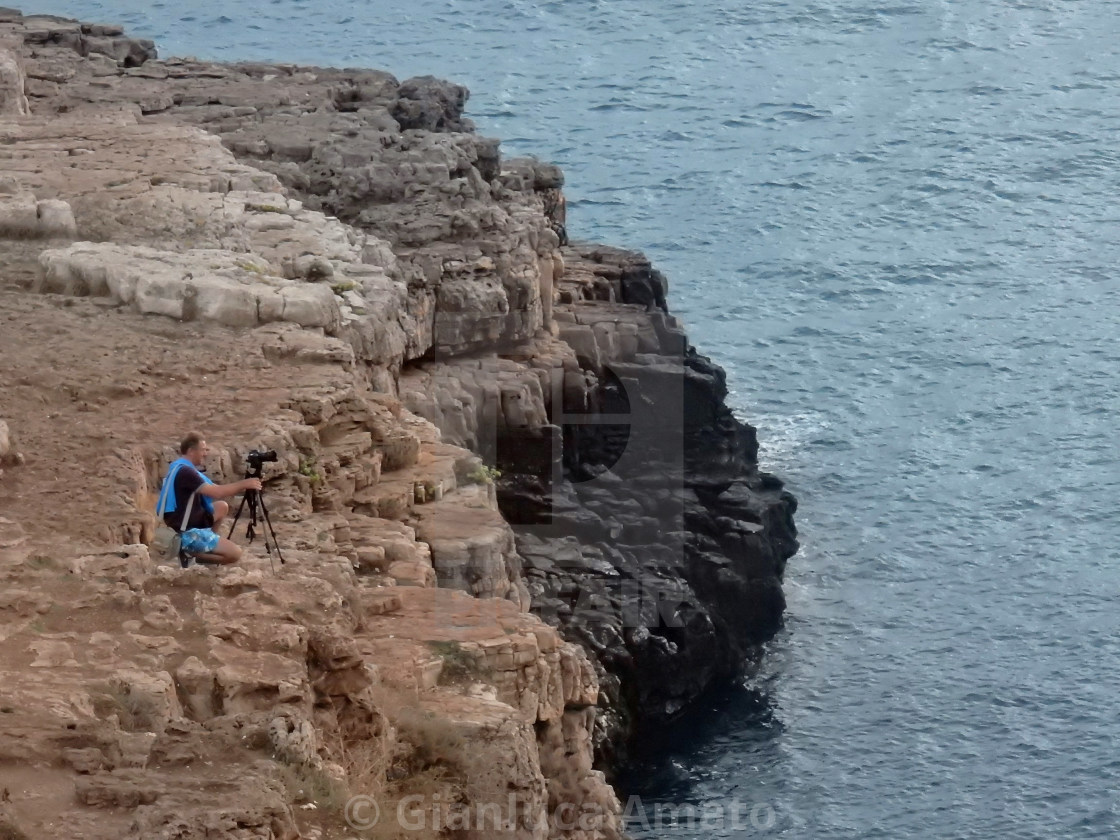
[185, 478]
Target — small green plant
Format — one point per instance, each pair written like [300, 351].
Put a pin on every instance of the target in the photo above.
[310, 470]
[245, 265]
[483, 474]
[344, 286]
[264, 208]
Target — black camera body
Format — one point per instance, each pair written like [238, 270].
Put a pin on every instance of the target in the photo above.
[255, 461]
[256, 458]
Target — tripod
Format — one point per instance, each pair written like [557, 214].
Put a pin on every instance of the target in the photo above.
[255, 500]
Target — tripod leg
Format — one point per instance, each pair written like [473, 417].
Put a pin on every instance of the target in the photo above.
[253, 497]
[236, 516]
[269, 530]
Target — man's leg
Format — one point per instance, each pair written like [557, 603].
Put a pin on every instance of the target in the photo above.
[205, 546]
[221, 511]
[224, 554]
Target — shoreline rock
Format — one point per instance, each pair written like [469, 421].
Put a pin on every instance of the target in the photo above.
[359, 224]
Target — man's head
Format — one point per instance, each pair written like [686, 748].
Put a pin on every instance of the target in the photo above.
[194, 448]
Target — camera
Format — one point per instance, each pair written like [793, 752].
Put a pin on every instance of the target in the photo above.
[256, 458]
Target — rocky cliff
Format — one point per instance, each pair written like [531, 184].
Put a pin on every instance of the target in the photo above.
[518, 519]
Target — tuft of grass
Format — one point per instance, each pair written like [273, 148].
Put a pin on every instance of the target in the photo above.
[459, 665]
[422, 757]
[344, 286]
[265, 208]
[305, 783]
[244, 265]
[366, 763]
[435, 742]
[41, 561]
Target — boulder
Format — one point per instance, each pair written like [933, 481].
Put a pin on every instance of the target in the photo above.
[429, 103]
[196, 685]
[249, 681]
[56, 219]
[149, 697]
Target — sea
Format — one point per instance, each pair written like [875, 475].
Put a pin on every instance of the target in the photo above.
[897, 226]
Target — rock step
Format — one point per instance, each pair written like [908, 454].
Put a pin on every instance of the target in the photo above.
[439, 634]
[472, 546]
[399, 491]
[387, 547]
[381, 603]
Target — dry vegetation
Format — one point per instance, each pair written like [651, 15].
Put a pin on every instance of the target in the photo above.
[420, 755]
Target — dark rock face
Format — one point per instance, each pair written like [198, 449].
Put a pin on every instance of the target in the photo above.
[431, 104]
[86, 38]
[656, 543]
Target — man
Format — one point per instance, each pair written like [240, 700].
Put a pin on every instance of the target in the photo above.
[183, 479]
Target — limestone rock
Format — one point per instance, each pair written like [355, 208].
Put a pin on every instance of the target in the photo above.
[52, 653]
[204, 285]
[21, 215]
[196, 684]
[13, 101]
[430, 103]
[56, 219]
[151, 697]
[473, 550]
[117, 791]
[250, 681]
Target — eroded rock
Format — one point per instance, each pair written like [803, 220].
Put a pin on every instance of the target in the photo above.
[13, 101]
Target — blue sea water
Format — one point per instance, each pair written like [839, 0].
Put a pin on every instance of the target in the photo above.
[896, 225]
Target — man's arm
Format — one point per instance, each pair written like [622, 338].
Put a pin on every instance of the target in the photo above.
[222, 491]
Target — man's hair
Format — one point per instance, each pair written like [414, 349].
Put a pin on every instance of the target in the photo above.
[190, 441]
